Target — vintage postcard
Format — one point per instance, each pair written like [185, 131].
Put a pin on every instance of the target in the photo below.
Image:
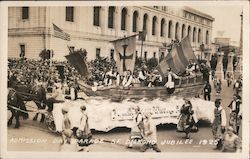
[124, 79]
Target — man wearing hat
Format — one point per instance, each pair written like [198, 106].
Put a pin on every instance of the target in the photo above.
[232, 142]
[170, 81]
[219, 123]
[235, 113]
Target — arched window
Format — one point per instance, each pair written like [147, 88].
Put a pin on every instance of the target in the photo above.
[199, 35]
[145, 20]
[170, 29]
[163, 27]
[177, 30]
[154, 25]
[189, 33]
[124, 18]
[207, 37]
[194, 35]
[135, 19]
[183, 31]
[111, 17]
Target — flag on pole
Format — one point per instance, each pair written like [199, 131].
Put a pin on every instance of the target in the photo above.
[178, 59]
[125, 51]
[59, 33]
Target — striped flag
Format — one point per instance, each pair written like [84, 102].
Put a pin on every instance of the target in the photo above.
[59, 33]
[178, 59]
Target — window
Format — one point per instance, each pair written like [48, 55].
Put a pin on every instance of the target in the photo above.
[194, 35]
[154, 26]
[112, 54]
[154, 55]
[189, 32]
[25, 12]
[177, 31]
[136, 54]
[111, 17]
[183, 31]
[98, 53]
[135, 17]
[199, 36]
[145, 19]
[207, 37]
[96, 16]
[70, 14]
[162, 27]
[164, 8]
[145, 55]
[22, 50]
[170, 29]
[123, 19]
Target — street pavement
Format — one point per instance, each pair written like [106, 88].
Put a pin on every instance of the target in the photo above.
[34, 136]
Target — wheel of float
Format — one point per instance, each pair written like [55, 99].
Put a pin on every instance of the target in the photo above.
[50, 123]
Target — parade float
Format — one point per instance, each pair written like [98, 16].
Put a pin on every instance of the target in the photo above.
[106, 114]
[178, 59]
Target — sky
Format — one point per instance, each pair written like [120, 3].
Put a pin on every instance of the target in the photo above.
[227, 20]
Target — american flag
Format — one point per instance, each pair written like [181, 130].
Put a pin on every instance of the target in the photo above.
[59, 33]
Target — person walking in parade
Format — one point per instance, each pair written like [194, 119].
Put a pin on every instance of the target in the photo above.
[218, 124]
[213, 64]
[137, 129]
[83, 133]
[207, 91]
[229, 78]
[235, 116]
[232, 142]
[186, 119]
[150, 137]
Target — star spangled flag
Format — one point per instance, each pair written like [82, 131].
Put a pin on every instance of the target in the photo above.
[59, 33]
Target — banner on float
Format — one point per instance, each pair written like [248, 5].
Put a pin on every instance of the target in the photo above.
[157, 112]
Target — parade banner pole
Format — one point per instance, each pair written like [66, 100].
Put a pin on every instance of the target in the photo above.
[50, 60]
[141, 47]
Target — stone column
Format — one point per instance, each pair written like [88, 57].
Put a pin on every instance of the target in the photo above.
[230, 62]
[238, 71]
[219, 67]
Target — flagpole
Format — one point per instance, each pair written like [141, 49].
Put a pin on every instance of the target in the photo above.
[50, 60]
[141, 47]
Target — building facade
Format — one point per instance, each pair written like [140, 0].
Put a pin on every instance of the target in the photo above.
[93, 27]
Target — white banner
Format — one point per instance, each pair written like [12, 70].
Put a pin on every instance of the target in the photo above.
[105, 115]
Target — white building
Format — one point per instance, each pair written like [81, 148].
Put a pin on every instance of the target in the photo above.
[92, 28]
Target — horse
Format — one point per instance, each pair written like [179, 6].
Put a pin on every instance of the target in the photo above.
[36, 93]
[17, 107]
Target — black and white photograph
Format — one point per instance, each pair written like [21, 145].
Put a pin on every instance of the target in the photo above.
[114, 79]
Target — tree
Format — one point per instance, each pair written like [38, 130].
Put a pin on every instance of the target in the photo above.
[152, 63]
[45, 54]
